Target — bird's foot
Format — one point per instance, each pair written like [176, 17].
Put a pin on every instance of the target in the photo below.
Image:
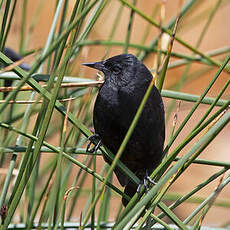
[145, 181]
[92, 139]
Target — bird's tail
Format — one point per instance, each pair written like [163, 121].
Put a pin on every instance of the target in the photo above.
[130, 190]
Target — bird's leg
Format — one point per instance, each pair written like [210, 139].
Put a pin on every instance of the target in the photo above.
[139, 187]
[144, 182]
[92, 139]
[147, 178]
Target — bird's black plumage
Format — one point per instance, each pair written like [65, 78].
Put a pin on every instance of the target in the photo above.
[14, 56]
[126, 81]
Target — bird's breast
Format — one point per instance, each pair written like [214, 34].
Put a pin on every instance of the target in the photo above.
[108, 95]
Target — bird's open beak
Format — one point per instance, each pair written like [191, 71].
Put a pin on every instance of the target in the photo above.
[95, 65]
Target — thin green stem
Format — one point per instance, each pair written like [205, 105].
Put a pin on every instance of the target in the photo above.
[23, 26]
[129, 29]
[197, 104]
[165, 30]
[6, 12]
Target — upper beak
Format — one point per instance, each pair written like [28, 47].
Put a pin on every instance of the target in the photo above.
[95, 65]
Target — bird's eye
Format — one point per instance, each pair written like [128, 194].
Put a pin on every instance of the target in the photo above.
[116, 69]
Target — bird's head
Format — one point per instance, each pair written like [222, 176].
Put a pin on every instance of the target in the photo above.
[120, 69]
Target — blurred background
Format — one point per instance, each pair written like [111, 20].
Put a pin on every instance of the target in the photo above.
[192, 78]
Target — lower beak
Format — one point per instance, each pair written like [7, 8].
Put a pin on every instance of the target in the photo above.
[95, 65]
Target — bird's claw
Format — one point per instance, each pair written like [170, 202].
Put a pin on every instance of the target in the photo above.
[144, 182]
[92, 139]
[150, 180]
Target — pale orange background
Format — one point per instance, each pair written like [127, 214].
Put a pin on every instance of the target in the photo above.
[217, 36]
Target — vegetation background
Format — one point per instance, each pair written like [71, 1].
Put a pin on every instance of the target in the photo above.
[104, 31]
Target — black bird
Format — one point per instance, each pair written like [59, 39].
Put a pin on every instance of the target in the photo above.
[126, 81]
[14, 56]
